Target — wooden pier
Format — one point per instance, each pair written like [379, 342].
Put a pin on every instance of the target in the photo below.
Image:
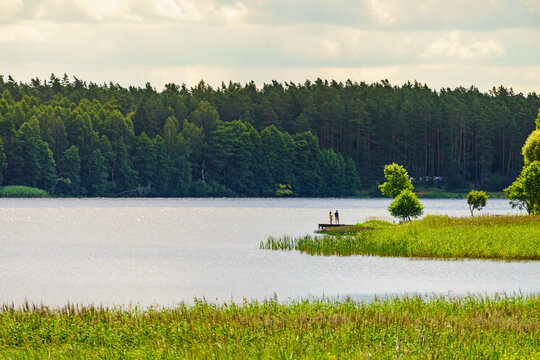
[324, 226]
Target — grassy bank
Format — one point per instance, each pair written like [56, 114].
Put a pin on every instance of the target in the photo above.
[407, 327]
[485, 237]
[19, 191]
[434, 193]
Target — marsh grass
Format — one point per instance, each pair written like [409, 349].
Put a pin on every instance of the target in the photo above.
[435, 236]
[19, 191]
[411, 327]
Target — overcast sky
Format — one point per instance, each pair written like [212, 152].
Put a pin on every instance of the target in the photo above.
[443, 43]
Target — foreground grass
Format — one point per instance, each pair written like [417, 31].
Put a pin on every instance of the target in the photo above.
[485, 237]
[400, 327]
[19, 191]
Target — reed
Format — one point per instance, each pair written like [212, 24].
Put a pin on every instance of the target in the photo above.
[435, 236]
[19, 191]
[411, 327]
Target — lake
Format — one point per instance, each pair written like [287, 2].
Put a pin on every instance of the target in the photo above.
[165, 251]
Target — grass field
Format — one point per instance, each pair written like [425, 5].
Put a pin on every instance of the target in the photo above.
[18, 191]
[484, 237]
[459, 328]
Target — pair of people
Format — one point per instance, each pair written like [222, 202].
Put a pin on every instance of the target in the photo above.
[336, 215]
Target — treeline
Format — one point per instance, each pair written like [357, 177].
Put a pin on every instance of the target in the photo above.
[320, 139]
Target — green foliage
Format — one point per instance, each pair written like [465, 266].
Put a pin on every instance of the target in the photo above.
[406, 327]
[69, 169]
[406, 206]
[96, 178]
[323, 138]
[483, 237]
[531, 149]
[524, 193]
[397, 180]
[476, 200]
[284, 190]
[19, 191]
[3, 163]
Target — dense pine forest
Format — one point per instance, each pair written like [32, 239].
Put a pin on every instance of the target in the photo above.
[320, 138]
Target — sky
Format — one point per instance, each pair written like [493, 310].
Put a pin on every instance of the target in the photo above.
[446, 43]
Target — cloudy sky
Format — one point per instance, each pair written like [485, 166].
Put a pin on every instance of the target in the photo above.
[444, 43]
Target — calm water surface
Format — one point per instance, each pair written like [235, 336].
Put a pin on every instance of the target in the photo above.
[164, 251]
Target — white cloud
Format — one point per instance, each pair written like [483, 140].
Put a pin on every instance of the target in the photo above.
[235, 12]
[451, 46]
[195, 39]
[177, 9]
[104, 9]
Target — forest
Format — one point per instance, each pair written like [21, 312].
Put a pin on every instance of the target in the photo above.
[323, 138]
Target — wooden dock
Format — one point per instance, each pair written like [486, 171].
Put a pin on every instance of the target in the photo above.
[324, 226]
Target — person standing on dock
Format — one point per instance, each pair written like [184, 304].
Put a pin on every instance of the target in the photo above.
[330, 214]
[336, 216]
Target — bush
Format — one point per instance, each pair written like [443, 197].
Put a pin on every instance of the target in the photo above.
[19, 191]
[476, 200]
[406, 206]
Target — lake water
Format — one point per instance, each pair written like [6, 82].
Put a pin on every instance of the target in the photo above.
[164, 251]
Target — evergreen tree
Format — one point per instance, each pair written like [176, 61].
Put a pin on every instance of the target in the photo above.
[69, 169]
[2, 162]
[95, 180]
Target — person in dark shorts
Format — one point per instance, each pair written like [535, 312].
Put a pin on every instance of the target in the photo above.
[336, 216]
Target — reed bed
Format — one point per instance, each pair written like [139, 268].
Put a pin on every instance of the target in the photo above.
[19, 191]
[411, 327]
[484, 237]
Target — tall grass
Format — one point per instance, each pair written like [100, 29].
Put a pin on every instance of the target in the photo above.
[487, 237]
[459, 328]
[19, 191]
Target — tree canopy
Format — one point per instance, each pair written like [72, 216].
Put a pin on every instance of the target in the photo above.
[397, 180]
[524, 193]
[321, 138]
[406, 206]
[476, 200]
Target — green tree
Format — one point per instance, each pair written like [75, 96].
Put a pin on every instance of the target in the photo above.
[524, 193]
[352, 180]
[397, 180]
[206, 117]
[144, 159]
[406, 206]
[476, 200]
[3, 164]
[230, 156]
[96, 177]
[306, 164]
[180, 179]
[196, 149]
[69, 169]
[331, 173]
[47, 169]
[531, 149]
[162, 167]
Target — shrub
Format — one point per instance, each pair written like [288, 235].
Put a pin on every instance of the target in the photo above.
[476, 200]
[406, 206]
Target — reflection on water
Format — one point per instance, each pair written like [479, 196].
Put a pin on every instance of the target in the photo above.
[163, 251]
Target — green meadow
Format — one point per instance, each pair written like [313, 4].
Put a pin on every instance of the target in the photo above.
[514, 237]
[411, 327]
